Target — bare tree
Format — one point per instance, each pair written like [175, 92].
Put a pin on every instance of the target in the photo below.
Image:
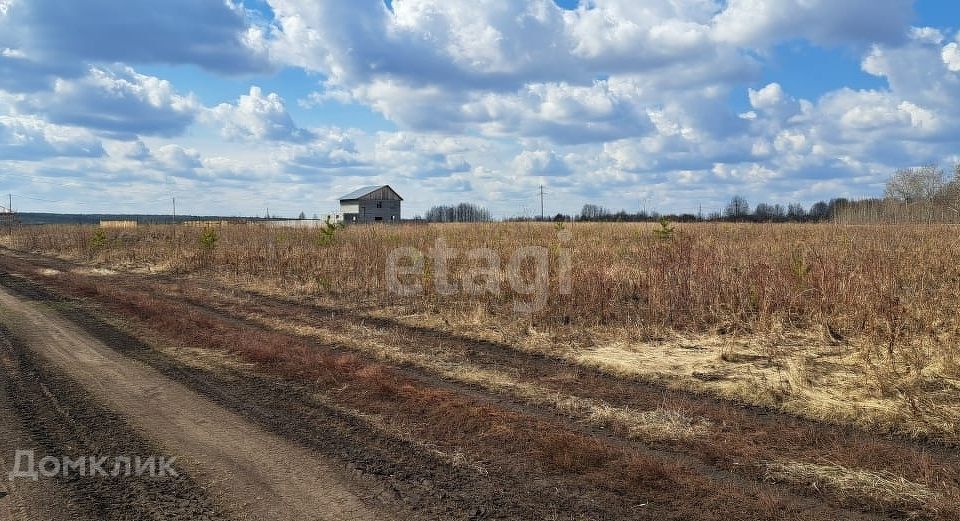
[949, 196]
[912, 185]
[738, 208]
[796, 212]
[462, 213]
[592, 212]
[820, 211]
[765, 212]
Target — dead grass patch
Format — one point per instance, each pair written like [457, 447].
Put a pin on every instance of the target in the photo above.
[884, 487]
[658, 424]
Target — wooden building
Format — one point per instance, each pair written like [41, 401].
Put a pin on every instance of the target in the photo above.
[370, 204]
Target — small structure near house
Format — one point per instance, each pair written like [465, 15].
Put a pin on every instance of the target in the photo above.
[207, 223]
[293, 223]
[370, 204]
[118, 224]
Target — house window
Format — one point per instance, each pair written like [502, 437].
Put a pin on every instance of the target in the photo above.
[379, 204]
[378, 218]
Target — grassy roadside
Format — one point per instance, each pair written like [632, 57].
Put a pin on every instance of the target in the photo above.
[160, 312]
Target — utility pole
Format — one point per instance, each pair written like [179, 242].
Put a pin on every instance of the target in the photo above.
[176, 242]
[541, 203]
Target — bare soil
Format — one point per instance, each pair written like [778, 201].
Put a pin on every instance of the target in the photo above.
[251, 473]
[52, 415]
[24, 498]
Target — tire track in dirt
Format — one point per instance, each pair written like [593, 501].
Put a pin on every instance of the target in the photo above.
[24, 499]
[61, 420]
[838, 514]
[257, 475]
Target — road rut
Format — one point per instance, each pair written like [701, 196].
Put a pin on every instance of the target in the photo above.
[251, 473]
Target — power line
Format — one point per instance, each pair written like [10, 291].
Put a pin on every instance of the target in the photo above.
[82, 203]
[123, 187]
[32, 198]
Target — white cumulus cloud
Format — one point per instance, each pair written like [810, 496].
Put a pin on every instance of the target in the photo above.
[118, 102]
[951, 56]
[756, 22]
[258, 117]
[28, 138]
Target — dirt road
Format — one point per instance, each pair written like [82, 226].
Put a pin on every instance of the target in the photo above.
[245, 471]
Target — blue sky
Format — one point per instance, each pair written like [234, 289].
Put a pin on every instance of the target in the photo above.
[234, 107]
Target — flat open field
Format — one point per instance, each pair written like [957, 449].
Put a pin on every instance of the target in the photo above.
[496, 371]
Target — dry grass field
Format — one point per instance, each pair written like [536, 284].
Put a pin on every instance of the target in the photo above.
[849, 324]
[659, 341]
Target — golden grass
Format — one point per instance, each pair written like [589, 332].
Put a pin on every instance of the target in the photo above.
[884, 487]
[662, 423]
[797, 373]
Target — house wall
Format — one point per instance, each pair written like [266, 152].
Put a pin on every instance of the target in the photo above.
[367, 211]
[388, 211]
[381, 205]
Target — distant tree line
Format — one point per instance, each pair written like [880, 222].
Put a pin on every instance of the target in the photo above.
[923, 195]
[737, 210]
[913, 195]
[461, 213]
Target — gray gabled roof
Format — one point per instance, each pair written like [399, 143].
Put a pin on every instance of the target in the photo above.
[366, 190]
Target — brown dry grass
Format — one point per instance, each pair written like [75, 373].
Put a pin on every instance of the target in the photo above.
[843, 323]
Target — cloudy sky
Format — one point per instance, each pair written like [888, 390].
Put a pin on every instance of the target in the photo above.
[235, 106]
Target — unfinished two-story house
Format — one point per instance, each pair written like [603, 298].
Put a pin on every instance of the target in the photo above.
[371, 204]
